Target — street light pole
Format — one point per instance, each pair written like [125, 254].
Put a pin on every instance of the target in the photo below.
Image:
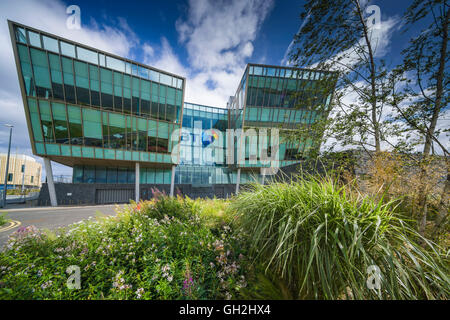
[7, 165]
[23, 176]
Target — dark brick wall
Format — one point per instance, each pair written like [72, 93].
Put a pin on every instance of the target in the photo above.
[85, 193]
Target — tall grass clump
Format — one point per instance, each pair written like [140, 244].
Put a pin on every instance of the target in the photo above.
[314, 239]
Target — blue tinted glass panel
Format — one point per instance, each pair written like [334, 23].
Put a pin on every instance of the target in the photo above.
[35, 39]
[87, 55]
[115, 64]
[67, 49]
[50, 44]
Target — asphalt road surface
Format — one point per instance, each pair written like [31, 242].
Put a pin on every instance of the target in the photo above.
[49, 217]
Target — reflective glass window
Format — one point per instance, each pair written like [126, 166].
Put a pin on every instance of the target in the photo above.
[95, 85]
[20, 35]
[46, 120]
[35, 122]
[35, 39]
[77, 174]
[41, 73]
[111, 175]
[154, 76]
[68, 77]
[118, 85]
[162, 102]
[92, 127]
[106, 88]
[127, 93]
[165, 79]
[75, 131]
[102, 60]
[143, 72]
[82, 82]
[115, 64]
[52, 149]
[27, 73]
[122, 175]
[87, 55]
[60, 121]
[155, 100]
[67, 49]
[117, 130]
[100, 175]
[135, 96]
[56, 76]
[88, 152]
[88, 174]
[50, 44]
[145, 97]
[105, 130]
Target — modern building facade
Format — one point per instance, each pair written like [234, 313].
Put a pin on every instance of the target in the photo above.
[23, 171]
[119, 123]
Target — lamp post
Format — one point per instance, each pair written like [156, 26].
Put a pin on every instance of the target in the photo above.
[23, 177]
[7, 165]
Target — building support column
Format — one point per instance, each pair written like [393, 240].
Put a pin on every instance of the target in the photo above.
[172, 181]
[238, 180]
[137, 183]
[50, 183]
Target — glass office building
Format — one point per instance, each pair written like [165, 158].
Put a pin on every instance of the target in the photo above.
[283, 98]
[86, 107]
[108, 117]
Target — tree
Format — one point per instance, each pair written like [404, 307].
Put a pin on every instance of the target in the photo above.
[337, 35]
[426, 58]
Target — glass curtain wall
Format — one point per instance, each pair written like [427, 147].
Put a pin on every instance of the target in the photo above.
[82, 102]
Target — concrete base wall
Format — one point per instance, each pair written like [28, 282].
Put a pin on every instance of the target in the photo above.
[102, 193]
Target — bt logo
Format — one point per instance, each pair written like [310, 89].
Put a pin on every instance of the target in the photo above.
[208, 138]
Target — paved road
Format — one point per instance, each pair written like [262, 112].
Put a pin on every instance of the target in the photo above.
[50, 217]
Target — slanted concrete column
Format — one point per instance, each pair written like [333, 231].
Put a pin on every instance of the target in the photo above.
[137, 183]
[238, 180]
[172, 181]
[50, 183]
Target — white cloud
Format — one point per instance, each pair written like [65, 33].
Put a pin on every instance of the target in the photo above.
[219, 36]
[285, 61]
[164, 58]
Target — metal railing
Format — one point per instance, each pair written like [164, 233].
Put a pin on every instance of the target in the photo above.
[62, 178]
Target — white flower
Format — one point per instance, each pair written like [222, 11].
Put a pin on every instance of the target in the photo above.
[139, 293]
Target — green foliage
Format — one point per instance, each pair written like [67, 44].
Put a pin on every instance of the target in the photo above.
[17, 192]
[3, 219]
[309, 239]
[315, 239]
[153, 250]
[168, 206]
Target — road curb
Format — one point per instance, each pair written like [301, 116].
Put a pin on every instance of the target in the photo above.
[11, 225]
[11, 210]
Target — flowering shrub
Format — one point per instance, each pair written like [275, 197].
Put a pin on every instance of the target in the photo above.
[159, 249]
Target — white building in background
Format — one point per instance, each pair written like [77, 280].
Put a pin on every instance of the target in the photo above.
[23, 169]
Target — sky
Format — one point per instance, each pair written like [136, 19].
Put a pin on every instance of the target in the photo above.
[207, 41]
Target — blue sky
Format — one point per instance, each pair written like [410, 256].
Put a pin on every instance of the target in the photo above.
[207, 41]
